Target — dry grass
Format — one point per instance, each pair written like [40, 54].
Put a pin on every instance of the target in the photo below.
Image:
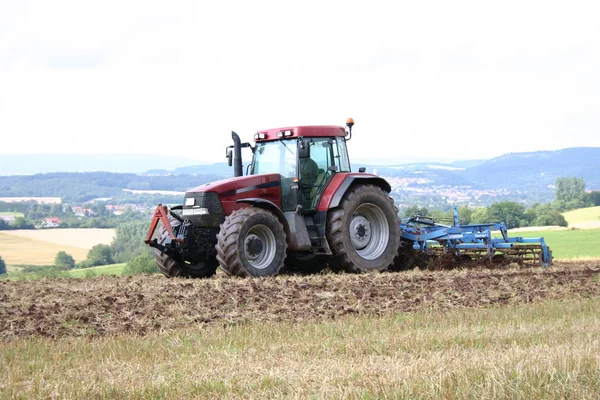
[39, 247]
[16, 250]
[583, 216]
[543, 350]
[84, 238]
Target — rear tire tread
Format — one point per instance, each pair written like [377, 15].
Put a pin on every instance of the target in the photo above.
[336, 235]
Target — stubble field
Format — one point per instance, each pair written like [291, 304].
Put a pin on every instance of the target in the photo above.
[514, 333]
[111, 305]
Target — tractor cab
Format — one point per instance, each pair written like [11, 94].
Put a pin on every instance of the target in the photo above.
[306, 157]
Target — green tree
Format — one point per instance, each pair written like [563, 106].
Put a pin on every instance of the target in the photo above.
[550, 218]
[64, 261]
[4, 225]
[465, 214]
[509, 212]
[144, 264]
[415, 210]
[480, 216]
[100, 254]
[129, 241]
[2, 266]
[571, 191]
[22, 223]
[594, 198]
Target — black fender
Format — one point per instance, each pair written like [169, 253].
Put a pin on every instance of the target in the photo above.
[361, 180]
[268, 205]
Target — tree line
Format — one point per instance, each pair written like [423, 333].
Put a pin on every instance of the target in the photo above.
[33, 215]
[569, 194]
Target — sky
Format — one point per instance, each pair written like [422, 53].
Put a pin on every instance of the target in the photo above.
[422, 80]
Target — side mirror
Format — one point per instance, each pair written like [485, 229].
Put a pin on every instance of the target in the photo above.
[303, 148]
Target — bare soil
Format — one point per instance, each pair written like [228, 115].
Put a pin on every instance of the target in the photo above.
[110, 305]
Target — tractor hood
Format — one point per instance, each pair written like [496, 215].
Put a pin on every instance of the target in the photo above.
[231, 187]
[230, 190]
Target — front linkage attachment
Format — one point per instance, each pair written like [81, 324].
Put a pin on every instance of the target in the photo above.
[473, 241]
[161, 214]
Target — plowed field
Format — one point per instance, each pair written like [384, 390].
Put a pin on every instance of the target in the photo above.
[144, 304]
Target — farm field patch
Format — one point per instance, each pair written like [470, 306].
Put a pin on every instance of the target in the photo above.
[142, 304]
[85, 238]
[446, 334]
[569, 243]
[113, 269]
[583, 217]
[39, 247]
[17, 250]
[15, 214]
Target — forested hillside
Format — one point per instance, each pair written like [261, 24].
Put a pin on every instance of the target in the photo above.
[531, 174]
[537, 170]
[84, 186]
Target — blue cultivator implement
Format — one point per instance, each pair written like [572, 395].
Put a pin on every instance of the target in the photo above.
[473, 241]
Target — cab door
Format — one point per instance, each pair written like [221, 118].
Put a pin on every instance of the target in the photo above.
[317, 170]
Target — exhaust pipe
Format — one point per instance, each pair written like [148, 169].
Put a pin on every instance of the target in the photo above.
[237, 155]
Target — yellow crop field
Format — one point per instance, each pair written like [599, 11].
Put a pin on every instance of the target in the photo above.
[39, 247]
[583, 218]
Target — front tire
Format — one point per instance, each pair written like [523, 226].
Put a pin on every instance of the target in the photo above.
[364, 231]
[251, 242]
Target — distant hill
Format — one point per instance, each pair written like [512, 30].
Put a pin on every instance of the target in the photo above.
[514, 171]
[29, 164]
[524, 172]
[218, 169]
[537, 170]
[85, 186]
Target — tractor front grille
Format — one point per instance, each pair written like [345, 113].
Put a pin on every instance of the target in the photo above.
[203, 209]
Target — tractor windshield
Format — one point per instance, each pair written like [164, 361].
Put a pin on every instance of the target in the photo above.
[276, 157]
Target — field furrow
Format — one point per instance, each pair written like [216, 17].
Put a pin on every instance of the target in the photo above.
[144, 304]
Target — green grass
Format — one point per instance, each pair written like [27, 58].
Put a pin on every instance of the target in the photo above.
[113, 269]
[570, 243]
[542, 350]
[588, 214]
[17, 273]
[16, 214]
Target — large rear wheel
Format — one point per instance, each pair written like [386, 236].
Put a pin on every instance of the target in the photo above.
[172, 267]
[364, 231]
[251, 242]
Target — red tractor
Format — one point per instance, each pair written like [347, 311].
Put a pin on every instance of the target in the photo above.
[299, 207]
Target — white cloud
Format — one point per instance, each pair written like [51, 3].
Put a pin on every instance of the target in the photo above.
[466, 79]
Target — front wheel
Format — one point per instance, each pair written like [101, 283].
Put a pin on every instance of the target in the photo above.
[364, 231]
[251, 242]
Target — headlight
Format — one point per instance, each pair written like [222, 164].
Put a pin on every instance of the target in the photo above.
[190, 201]
[195, 211]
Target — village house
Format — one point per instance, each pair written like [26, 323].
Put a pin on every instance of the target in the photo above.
[51, 222]
[82, 212]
